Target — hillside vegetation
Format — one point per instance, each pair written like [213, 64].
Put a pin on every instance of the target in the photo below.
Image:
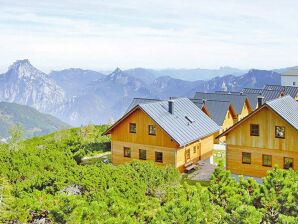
[41, 180]
[30, 120]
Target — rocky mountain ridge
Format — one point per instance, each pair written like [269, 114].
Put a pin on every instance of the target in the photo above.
[79, 96]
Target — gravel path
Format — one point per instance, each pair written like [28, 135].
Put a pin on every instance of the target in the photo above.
[204, 172]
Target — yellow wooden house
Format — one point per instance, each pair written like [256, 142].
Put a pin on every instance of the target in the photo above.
[170, 132]
[222, 112]
[239, 101]
[266, 138]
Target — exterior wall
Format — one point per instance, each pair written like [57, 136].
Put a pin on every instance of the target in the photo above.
[118, 153]
[256, 168]
[239, 139]
[289, 80]
[228, 122]
[161, 142]
[121, 133]
[204, 151]
[267, 120]
[180, 158]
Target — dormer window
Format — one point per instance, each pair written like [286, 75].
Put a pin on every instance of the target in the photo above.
[132, 128]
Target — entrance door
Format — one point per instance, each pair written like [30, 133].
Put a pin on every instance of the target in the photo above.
[187, 155]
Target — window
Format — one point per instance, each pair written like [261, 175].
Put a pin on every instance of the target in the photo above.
[133, 128]
[187, 154]
[267, 160]
[152, 130]
[127, 152]
[254, 130]
[280, 132]
[288, 163]
[246, 158]
[158, 157]
[195, 149]
[142, 154]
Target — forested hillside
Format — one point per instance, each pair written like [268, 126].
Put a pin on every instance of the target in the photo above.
[43, 181]
[32, 122]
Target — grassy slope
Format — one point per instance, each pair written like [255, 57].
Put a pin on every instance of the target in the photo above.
[33, 122]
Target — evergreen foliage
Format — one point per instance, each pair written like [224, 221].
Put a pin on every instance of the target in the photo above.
[42, 180]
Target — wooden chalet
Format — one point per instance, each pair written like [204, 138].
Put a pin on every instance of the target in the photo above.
[172, 132]
[240, 102]
[266, 138]
[222, 112]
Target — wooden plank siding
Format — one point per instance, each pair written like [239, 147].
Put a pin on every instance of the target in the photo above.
[121, 133]
[118, 153]
[239, 140]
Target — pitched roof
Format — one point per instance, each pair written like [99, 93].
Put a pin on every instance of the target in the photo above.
[252, 96]
[286, 107]
[287, 90]
[216, 109]
[268, 94]
[186, 125]
[252, 90]
[237, 100]
[137, 101]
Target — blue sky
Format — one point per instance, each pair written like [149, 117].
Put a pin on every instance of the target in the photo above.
[154, 34]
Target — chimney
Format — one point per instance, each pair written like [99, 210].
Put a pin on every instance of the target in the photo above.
[171, 106]
[204, 101]
[260, 101]
[241, 93]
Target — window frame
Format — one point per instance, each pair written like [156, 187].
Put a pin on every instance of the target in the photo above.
[243, 156]
[124, 152]
[130, 130]
[140, 154]
[251, 130]
[156, 157]
[149, 130]
[263, 161]
[287, 168]
[277, 126]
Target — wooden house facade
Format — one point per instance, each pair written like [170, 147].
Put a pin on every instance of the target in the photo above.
[266, 138]
[171, 132]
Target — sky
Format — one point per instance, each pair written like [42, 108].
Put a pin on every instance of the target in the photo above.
[106, 34]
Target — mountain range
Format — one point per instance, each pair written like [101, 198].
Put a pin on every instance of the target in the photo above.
[79, 96]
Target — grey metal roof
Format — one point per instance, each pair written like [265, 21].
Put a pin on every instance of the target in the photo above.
[287, 108]
[235, 99]
[186, 125]
[137, 101]
[287, 90]
[251, 90]
[217, 109]
[268, 94]
[252, 96]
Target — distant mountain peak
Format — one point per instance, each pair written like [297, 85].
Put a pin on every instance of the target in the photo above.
[117, 71]
[24, 69]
